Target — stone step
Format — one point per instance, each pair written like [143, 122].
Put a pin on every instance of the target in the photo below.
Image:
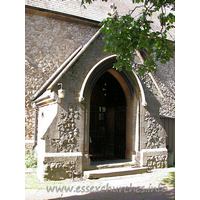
[115, 165]
[110, 172]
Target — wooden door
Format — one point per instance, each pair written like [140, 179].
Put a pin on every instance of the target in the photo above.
[120, 132]
[107, 105]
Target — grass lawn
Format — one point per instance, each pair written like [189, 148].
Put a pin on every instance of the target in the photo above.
[32, 182]
[170, 180]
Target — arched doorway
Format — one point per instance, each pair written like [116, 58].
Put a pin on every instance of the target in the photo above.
[107, 133]
[135, 98]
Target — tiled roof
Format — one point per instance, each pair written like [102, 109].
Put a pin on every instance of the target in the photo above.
[96, 11]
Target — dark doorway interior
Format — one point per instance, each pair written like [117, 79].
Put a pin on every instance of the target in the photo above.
[107, 120]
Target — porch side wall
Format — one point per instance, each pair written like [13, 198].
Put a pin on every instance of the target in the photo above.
[160, 96]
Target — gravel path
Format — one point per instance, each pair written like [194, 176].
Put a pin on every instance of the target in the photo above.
[139, 186]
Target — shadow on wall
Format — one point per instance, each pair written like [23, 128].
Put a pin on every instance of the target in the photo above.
[153, 127]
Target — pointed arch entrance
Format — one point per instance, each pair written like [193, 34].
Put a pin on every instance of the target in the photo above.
[134, 96]
[107, 120]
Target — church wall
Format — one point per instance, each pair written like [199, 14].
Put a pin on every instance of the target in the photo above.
[165, 78]
[48, 43]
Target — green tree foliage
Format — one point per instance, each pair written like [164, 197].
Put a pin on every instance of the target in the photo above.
[125, 34]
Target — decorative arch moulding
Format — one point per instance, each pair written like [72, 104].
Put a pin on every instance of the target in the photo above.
[81, 93]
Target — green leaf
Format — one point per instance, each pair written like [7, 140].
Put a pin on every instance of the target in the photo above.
[122, 35]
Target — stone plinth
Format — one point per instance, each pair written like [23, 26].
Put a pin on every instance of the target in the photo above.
[59, 166]
[155, 158]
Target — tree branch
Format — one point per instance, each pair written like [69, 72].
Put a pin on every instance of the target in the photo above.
[131, 11]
